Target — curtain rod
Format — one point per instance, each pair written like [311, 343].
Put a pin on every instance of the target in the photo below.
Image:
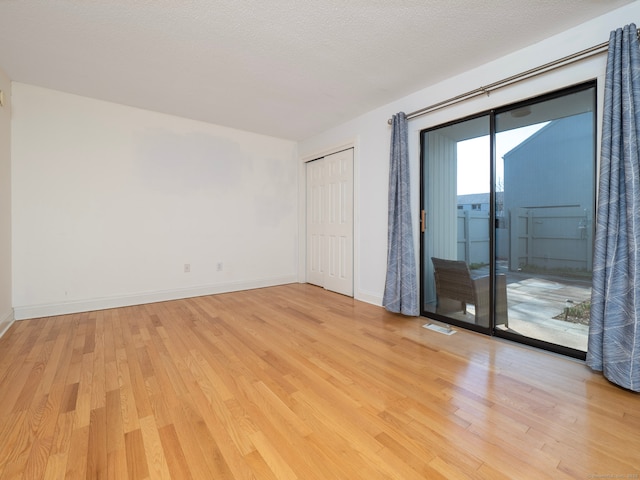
[487, 89]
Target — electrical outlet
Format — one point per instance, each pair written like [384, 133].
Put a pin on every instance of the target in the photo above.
[187, 267]
[219, 266]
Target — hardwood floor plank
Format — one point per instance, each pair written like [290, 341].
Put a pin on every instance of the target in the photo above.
[78, 454]
[98, 388]
[61, 441]
[30, 386]
[176, 461]
[296, 382]
[83, 400]
[97, 447]
[272, 457]
[56, 466]
[117, 464]
[258, 465]
[127, 401]
[414, 458]
[194, 430]
[156, 461]
[137, 466]
[36, 461]
[115, 428]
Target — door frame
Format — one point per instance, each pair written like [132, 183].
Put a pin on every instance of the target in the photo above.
[424, 269]
[302, 208]
[492, 113]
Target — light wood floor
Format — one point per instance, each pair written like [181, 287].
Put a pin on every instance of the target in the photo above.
[295, 382]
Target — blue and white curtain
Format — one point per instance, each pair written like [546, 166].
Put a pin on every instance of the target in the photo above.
[401, 286]
[614, 332]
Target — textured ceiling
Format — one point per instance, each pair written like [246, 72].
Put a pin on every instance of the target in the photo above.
[287, 68]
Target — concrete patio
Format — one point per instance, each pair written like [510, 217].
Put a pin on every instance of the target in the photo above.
[533, 302]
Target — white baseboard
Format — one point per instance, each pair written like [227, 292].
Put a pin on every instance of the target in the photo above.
[368, 297]
[6, 321]
[89, 305]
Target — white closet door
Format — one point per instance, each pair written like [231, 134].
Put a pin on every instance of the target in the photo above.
[339, 222]
[315, 222]
[330, 222]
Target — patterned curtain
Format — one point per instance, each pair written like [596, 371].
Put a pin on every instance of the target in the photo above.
[614, 332]
[401, 286]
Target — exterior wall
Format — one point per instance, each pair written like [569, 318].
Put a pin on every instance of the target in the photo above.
[466, 202]
[549, 196]
[110, 203]
[550, 168]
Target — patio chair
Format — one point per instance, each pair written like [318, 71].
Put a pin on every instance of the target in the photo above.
[455, 288]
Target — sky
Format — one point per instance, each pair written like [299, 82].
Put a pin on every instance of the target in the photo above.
[473, 158]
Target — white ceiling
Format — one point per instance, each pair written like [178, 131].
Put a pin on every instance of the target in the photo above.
[286, 68]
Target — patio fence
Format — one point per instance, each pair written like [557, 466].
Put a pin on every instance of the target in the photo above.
[473, 237]
[551, 238]
[544, 238]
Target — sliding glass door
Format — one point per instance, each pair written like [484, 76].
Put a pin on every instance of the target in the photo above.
[508, 201]
[456, 248]
[545, 156]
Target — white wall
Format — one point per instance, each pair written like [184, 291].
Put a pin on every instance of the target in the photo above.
[372, 131]
[6, 312]
[110, 202]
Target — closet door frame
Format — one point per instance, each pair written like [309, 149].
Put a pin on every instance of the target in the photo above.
[329, 236]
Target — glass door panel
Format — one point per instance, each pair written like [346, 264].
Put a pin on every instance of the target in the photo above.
[544, 204]
[456, 228]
